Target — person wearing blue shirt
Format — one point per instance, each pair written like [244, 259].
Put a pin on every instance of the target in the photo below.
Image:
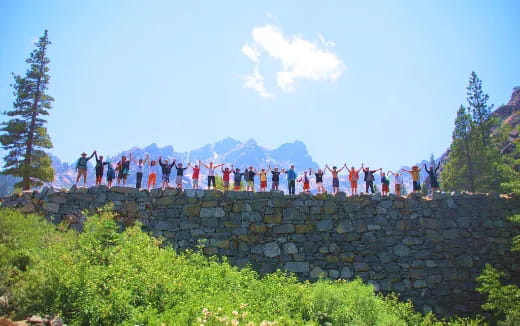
[291, 179]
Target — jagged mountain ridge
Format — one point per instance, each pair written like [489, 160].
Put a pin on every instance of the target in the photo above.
[228, 151]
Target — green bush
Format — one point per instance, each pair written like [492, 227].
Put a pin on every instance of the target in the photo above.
[106, 276]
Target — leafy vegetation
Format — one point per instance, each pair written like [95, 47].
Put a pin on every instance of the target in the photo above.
[106, 277]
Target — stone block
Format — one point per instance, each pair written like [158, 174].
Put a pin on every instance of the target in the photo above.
[51, 207]
[271, 249]
[258, 228]
[212, 212]
[361, 267]
[344, 227]
[290, 248]
[317, 272]
[273, 219]
[297, 267]
[304, 228]
[284, 228]
[324, 225]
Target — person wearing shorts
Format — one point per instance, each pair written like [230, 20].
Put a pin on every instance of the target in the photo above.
[124, 169]
[397, 182]
[195, 176]
[211, 173]
[225, 177]
[385, 184]
[100, 169]
[81, 167]
[237, 179]
[111, 174]
[319, 179]
[416, 177]
[180, 175]
[152, 175]
[275, 179]
[166, 171]
[306, 182]
[263, 180]
[353, 177]
[335, 178]
[250, 179]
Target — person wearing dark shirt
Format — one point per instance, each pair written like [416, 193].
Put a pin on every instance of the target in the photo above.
[434, 182]
[319, 179]
[275, 179]
[180, 174]
[369, 178]
[237, 179]
[166, 171]
[81, 167]
[250, 178]
[100, 168]
[123, 168]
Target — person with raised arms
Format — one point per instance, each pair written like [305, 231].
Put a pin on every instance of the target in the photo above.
[100, 168]
[211, 173]
[250, 178]
[180, 174]
[291, 180]
[139, 166]
[111, 174]
[81, 167]
[319, 179]
[353, 177]
[385, 184]
[263, 180]
[237, 179]
[166, 171]
[225, 177]
[123, 168]
[398, 181]
[306, 182]
[275, 178]
[416, 177]
[432, 173]
[152, 175]
[335, 179]
[195, 176]
[369, 178]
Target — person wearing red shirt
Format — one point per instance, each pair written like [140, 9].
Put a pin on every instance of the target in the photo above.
[195, 176]
[225, 177]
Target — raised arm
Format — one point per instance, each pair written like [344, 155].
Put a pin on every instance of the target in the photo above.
[146, 159]
[438, 166]
[342, 168]
[327, 167]
[202, 163]
[91, 155]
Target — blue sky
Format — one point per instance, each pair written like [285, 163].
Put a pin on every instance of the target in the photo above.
[378, 82]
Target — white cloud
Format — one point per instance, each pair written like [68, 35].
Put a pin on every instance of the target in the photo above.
[255, 81]
[300, 59]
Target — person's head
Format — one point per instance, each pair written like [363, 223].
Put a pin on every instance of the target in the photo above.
[367, 168]
[101, 158]
[334, 168]
[166, 161]
[263, 170]
[140, 161]
[250, 168]
[237, 169]
[353, 168]
[292, 167]
[83, 154]
[180, 165]
[123, 158]
[226, 169]
[397, 174]
[415, 167]
[275, 169]
[431, 167]
[319, 171]
[196, 166]
[152, 163]
[210, 163]
[383, 174]
[305, 172]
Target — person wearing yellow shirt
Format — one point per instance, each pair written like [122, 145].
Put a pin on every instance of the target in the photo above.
[416, 177]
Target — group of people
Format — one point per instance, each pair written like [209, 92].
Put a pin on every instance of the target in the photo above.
[121, 170]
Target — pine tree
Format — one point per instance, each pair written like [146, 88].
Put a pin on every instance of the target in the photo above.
[25, 135]
[481, 112]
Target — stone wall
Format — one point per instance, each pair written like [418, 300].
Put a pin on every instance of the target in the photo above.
[428, 250]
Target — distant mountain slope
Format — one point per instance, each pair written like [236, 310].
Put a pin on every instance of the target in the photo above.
[228, 151]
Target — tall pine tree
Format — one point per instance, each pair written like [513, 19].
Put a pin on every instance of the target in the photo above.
[25, 136]
[480, 111]
[474, 161]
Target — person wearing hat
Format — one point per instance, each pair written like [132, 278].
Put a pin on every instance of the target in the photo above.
[81, 167]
